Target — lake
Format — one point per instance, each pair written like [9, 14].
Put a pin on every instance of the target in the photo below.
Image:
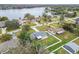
[19, 13]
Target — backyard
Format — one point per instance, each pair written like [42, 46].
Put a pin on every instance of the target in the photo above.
[77, 41]
[42, 28]
[49, 41]
[55, 25]
[61, 51]
[65, 37]
[31, 24]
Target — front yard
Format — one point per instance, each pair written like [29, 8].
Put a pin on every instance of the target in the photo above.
[61, 51]
[55, 25]
[31, 24]
[42, 28]
[65, 37]
[77, 41]
[48, 41]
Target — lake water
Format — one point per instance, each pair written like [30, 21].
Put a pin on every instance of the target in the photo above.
[19, 13]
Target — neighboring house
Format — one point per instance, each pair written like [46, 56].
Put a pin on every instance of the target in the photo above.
[2, 24]
[56, 30]
[69, 14]
[39, 35]
[72, 47]
[77, 20]
[49, 14]
[21, 22]
[38, 18]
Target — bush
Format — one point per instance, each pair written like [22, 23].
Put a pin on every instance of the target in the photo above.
[5, 37]
[3, 18]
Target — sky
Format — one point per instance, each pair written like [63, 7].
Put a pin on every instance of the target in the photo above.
[39, 1]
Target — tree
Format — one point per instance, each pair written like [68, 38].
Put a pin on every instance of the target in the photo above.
[12, 25]
[68, 27]
[46, 10]
[29, 16]
[61, 19]
[38, 47]
[25, 28]
[46, 18]
[5, 37]
[3, 18]
[24, 38]
[27, 49]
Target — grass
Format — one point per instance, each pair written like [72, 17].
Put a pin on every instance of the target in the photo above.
[31, 24]
[77, 41]
[0, 31]
[10, 29]
[55, 25]
[61, 51]
[42, 28]
[50, 40]
[30, 31]
[5, 37]
[65, 37]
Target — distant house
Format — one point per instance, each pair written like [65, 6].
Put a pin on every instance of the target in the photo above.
[77, 20]
[39, 35]
[2, 24]
[72, 47]
[56, 30]
[49, 14]
[37, 18]
[22, 22]
[69, 14]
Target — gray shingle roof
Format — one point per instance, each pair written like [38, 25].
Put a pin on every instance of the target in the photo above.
[72, 47]
[39, 34]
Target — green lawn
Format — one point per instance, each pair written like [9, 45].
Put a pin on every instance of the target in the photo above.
[61, 51]
[77, 41]
[50, 40]
[65, 37]
[55, 25]
[31, 24]
[0, 31]
[42, 28]
[5, 37]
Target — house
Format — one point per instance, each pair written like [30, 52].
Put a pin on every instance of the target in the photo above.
[56, 30]
[21, 22]
[2, 24]
[69, 14]
[38, 18]
[77, 20]
[39, 35]
[72, 47]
